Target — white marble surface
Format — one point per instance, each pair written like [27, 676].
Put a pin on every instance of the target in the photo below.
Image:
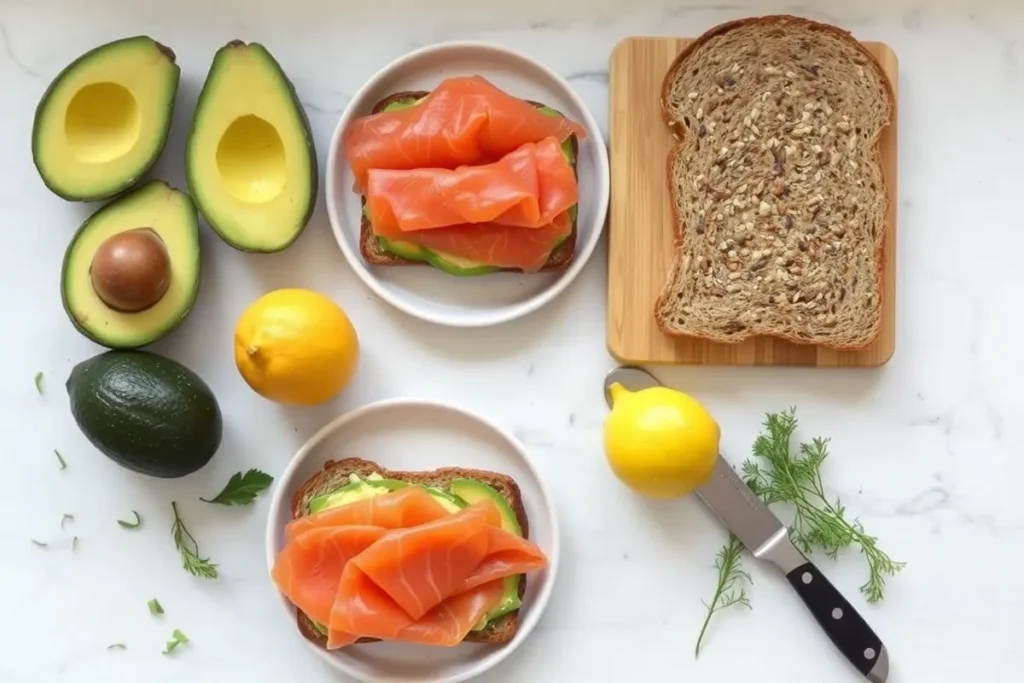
[928, 451]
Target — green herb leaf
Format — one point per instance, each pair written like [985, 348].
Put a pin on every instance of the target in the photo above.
[131, 525]
[66, 518]
[730, 573]
[117, 646]
[39, 543]
[74, 543]
[60, 459]
[178, 638]
[189, 549]
[38, 380]
[242, 489]
[155, 607]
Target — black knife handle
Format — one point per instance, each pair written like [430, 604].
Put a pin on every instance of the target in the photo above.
[847, 629]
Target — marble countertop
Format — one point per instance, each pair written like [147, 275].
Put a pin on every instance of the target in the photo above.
[926, 451]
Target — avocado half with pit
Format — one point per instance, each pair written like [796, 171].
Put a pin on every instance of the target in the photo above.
[103, 121]
[250, 159]
[131, 272]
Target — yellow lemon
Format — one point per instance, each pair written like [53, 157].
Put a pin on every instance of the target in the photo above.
[660, 442]
[296, 346]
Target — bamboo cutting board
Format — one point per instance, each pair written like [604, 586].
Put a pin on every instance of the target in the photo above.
[641, 231]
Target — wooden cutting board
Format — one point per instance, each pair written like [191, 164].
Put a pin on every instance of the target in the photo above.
[641, 232]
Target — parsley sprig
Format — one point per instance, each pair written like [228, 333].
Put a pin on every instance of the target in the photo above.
[242, 489]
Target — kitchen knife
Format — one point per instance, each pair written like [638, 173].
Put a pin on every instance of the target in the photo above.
[767, 538]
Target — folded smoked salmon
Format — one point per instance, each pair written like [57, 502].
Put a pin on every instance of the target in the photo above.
[466, 178]
[464, 120]
[433, 558]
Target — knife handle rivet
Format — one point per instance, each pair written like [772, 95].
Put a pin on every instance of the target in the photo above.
[837, 613]
[869, 653]
[807, 578]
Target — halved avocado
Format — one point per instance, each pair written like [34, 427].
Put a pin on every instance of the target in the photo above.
[131, 272]
[250, 159]
[103, 121]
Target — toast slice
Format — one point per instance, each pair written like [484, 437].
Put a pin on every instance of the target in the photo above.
[776, 185]
[372, 252]
[335, 474]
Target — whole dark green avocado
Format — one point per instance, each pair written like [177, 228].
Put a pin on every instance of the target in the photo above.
[146, 412]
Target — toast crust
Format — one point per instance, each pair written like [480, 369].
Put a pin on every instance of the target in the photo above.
[560, 258]
[335, 471]
[680, 132]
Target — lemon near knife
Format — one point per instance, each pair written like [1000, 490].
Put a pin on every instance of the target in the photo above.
[660, 442]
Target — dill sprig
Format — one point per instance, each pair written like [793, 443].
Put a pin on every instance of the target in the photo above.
[778, 475]
[730, 573]
[189, 549]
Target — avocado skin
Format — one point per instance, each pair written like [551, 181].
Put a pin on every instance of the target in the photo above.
[72, 253]
[143, 170]
[146, 412]
[307, 132]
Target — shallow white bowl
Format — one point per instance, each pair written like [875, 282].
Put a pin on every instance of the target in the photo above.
[425, 292]
[411, 434]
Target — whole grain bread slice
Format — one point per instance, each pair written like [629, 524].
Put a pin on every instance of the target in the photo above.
[372, 252]
[335, 474]
[776, 185]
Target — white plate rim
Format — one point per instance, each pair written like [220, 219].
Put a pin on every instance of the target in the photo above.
[281, 497]
[584, 251]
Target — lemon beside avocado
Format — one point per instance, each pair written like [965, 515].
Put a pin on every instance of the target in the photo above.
[660, 442]
[296, 347]
[103, 121]
[131, 272]
[250, 158]
[146, 412]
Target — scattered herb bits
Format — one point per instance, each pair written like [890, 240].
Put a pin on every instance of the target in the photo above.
[60, 459]
[38, 381]
[39, 544]
[66, 517]
[177, 638]
[117, 646]
[131, 525]
[155, 607]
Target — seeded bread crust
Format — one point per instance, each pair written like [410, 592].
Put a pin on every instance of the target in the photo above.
[776, 182]
[336, 474]
[370, 249]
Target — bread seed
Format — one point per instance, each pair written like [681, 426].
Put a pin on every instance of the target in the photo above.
[764, 208]
[733, 288]
[735, 276]
[693, 95]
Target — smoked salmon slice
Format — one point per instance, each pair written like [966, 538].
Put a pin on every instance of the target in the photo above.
[464, 120]
[527, 187]
[502, 246]
[308, 569]
[404, 507]
[449, 623]
[426, 583]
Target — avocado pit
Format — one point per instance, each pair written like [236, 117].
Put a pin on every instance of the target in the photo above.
[131, 271]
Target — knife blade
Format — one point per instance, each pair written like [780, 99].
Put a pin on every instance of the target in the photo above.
[763, 534]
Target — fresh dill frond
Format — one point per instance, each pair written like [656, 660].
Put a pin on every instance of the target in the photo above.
[778, 475]
[730, 590]
[189, 549]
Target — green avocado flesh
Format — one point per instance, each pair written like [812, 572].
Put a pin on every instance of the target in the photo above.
[169, 221]
[449, 263]
[250, 158]
[463, 492]
[103, 121]
[145, 412]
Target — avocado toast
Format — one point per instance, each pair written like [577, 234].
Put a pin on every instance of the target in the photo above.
[350, 480]
[377, 250]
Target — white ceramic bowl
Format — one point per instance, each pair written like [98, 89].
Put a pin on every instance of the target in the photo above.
[423, 291]
[410, 434]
